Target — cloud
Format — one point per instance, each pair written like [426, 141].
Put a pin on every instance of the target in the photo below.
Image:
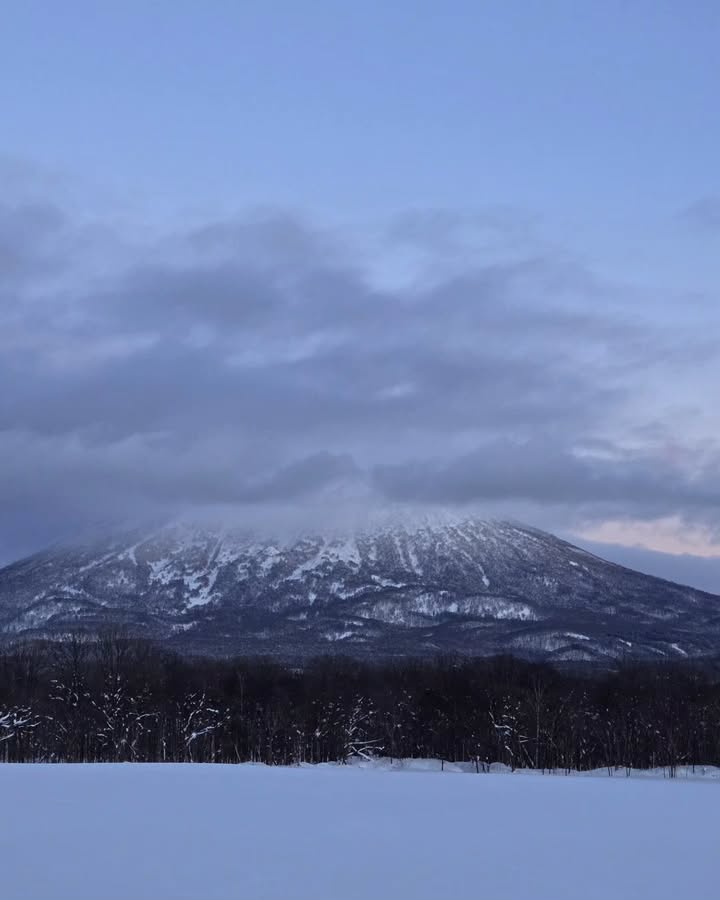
[703, 214]
[30, 239]
[266, 360]
[548, 473]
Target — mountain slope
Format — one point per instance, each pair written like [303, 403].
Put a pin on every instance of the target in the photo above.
[465, 586]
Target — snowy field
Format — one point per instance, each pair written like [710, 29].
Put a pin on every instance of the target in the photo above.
[195, 832]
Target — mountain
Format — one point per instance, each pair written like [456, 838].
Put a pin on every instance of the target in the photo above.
[419, 588]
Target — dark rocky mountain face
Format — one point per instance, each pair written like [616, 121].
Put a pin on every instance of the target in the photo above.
[426, 588]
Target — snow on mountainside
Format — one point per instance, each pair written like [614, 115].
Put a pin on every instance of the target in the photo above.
[426, 587]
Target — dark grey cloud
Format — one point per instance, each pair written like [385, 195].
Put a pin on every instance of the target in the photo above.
[263, 360]
[30, 239]
[304, 477]
[545, 473]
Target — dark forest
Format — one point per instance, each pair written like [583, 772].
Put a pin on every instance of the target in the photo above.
[118, 700]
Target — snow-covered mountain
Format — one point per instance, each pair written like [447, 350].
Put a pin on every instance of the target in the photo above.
[426, 587]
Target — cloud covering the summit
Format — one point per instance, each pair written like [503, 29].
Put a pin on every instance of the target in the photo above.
[442, 359]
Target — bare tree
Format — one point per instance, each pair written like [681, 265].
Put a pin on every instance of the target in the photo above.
[199, 720]
[14, 723]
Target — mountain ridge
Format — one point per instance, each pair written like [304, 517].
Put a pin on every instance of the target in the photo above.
[394, 588]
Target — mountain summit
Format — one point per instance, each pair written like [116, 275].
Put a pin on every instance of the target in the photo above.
[420, 588]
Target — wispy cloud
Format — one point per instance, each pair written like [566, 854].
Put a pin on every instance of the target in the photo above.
[703, 214]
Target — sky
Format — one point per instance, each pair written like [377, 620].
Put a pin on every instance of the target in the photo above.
[265, 255]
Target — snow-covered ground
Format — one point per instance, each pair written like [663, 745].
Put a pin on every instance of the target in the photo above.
[195, 832]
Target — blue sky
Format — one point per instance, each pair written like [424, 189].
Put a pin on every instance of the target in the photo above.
[558, 158]
[578, 111]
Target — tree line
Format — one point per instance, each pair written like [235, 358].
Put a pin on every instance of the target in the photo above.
[120, 700]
